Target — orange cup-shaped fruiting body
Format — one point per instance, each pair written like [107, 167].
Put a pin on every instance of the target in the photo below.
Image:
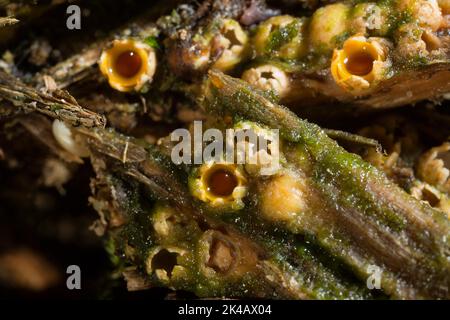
[128, 64]
[220, 185]
[360, 64]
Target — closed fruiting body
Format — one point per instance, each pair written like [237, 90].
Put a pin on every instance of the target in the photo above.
[327, 25]
[283, 198]
[280, 36]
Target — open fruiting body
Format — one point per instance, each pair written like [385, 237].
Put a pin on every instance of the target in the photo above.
[128, 64]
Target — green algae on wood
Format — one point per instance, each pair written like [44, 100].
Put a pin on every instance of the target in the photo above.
[363, 218]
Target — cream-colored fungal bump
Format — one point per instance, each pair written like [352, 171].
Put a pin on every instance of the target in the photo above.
[163, 262]
[266, 34]
[128, 64]
[235, 44]
[327, 24]
[361, 63]
[434, 167]
[428, 14]
[66, 139]
[220, 185]
[283, 198]
[268, 77]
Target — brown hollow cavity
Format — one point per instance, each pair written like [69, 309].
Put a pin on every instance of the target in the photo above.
[267, 74]
[164, 260]
[220, 256]
[445, 157]
[430, 197]
[359, 63]
[432, 42]
[128, 64]
[231, 36]
[221, 182]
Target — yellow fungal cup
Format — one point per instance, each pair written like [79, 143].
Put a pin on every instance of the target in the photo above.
[360, 64]
[128, 64]
[221, 185]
